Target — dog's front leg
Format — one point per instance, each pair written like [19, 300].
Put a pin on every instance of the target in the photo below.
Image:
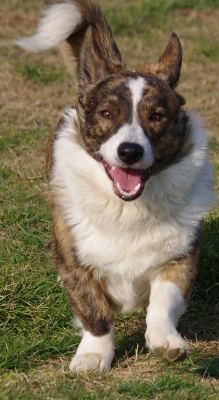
[89, 304]
[169, 294]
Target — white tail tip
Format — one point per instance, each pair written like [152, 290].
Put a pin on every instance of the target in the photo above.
[59, 21]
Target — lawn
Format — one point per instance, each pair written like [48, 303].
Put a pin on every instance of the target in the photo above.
[37, 336]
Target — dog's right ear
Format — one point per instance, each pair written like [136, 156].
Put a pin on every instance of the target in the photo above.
[93, 46]
[99, 56]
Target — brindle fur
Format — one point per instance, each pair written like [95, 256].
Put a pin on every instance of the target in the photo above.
[86, 295]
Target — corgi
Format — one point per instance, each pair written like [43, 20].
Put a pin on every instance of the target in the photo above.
[129, 185]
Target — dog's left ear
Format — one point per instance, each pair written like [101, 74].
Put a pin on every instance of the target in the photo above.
[169, 65]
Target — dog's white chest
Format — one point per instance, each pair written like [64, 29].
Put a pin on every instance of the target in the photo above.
[127, 245]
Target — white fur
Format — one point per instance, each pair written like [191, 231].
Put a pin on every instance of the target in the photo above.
[165, 307]
[132, 133]
[56, 25]
[136, 87]
[94, 352]
[130, 241]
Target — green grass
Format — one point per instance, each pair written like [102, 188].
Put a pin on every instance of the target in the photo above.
[140, 17]
[40, 73]
[165, 387]
[37, 336]
[171, 386]
[209, 48]
[208, 260]
[28, 283]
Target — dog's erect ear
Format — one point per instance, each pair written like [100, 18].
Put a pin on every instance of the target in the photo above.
[93, 45]
[169, 65]
[99, 56]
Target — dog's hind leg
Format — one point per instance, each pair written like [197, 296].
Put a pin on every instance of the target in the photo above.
[168, 298]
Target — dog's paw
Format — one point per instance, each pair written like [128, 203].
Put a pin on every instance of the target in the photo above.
[172, 347]
[90, 361]
[94, 353]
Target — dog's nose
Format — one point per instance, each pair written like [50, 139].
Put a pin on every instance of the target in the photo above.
[130, 153]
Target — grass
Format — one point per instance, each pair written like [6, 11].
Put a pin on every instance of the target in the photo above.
[131, 17]
[40, 73]
[209, 48]
[37, 337]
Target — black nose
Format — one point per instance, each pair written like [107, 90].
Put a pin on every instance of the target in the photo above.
[130, 153]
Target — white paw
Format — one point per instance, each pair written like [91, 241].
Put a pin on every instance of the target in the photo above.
[171, 346]
[90, 361]
[94, 353]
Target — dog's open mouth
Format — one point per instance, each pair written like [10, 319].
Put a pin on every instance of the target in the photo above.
[128, 183]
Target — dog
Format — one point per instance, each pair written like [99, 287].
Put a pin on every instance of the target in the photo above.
[129, 184]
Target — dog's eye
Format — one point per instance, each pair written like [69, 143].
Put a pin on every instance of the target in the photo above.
[156, 117]
[105, 114]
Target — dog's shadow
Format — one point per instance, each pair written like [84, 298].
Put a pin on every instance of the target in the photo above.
[129, 335]
[199, 326]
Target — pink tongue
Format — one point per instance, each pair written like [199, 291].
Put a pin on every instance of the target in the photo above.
[128, 178]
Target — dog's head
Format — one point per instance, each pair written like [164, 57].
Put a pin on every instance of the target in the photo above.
[132, 122]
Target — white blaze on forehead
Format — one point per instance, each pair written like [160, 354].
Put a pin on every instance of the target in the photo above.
[136, 87]
[132, 133]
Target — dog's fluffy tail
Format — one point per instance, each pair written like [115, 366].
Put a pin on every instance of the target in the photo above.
[58, 22]
[68, 22]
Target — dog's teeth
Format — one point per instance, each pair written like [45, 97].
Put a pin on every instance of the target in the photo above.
[137, 187]
[113, 168]
[124, 193]
[121, 190]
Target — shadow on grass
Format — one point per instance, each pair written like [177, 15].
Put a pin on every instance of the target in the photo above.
[200, 322]
[200, 329]
[209, 368]
[129, 335]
